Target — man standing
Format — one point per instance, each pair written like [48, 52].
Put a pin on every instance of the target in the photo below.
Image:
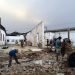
[47, 42]
[12, 54]
[22, 43]
[58, 47]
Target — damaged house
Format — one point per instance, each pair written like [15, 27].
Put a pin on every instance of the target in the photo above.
[2, 34]
[14, 38]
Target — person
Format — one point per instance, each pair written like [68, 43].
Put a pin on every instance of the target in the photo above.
[12, 54]
[54, 42]
[71, 60]
[22, 43]
[16, 42]
[68, 47]
[47, 42]
[63, 48]
[58, 47]
[51, 44]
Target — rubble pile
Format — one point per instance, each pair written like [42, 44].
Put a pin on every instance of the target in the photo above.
[30, 55]
[30, 69]
[26, 70]
[34, 63]
[3, 57]
[37, 55]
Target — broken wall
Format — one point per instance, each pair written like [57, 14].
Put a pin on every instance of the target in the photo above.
[36, 35]
[2, 37]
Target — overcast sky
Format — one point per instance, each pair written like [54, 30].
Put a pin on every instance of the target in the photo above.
[23, 15]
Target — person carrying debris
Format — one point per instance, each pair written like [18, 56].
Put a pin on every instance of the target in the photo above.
[58, 47]
[12, 54]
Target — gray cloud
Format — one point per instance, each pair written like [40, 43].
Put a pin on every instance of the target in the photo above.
[55, 14]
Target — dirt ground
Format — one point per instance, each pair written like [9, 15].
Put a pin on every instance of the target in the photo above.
[34, 61]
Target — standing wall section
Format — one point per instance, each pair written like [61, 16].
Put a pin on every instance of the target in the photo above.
[36, 36]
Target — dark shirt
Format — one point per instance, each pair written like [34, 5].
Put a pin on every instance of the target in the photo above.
[12, 52]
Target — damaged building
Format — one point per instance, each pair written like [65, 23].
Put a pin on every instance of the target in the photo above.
[36, 35]
[2, 34]
[14, 38]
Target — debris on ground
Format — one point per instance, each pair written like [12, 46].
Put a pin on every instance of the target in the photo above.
[35, 63]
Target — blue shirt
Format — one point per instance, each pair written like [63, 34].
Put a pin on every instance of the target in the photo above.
[12, 52]
[58, 43]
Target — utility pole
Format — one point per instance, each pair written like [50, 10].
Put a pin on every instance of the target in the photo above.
[68, 33]
[45, 27]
